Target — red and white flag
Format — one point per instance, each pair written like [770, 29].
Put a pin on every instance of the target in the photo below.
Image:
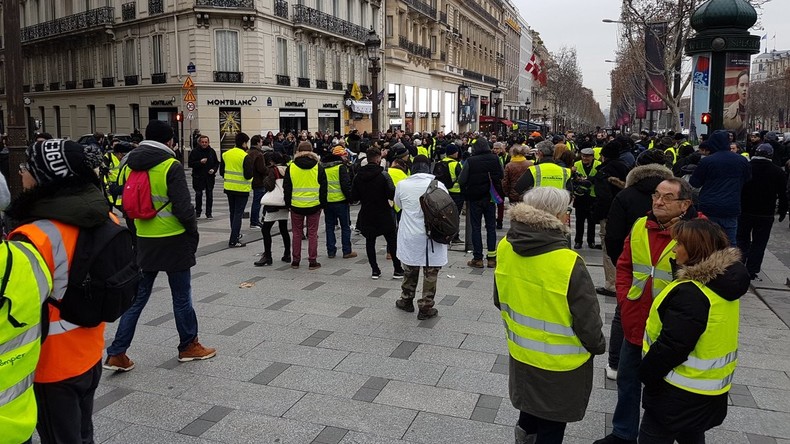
[542, 76]
[532, 66]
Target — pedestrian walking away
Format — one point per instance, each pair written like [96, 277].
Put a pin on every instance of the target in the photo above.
[204, 164]
[236, 168]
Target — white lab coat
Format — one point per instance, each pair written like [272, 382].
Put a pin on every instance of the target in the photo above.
[412, 239]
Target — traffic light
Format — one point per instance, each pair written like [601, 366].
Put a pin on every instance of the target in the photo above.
[180, 116]
[706, 118]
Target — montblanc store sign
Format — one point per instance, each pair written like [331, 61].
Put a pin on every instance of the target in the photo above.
[232, 102]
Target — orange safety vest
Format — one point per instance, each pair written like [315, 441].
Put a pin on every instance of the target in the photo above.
[69, 350]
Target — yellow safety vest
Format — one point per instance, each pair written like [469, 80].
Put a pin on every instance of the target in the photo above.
[581, 171]
[421, 150]
[29, 284]
[745, 154]
[114, 168]
[452, 164]
[535, 310]
[396, 174]
[710, 366]
[644, 271]
[164, 224]
[673, 152]
[549, 175]
[305, 185]
[597, 153]
[334, 192]
[234, 171]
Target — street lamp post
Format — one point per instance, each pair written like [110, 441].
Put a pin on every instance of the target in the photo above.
[372, 45]
[545, 116]
[528, 103]
[496, 97]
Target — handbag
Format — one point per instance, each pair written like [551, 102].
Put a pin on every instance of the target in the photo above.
[275, 197]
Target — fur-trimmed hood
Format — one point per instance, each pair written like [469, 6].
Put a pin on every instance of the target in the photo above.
[306, 159]
[647, 171]
[723, 272]
[533, 231]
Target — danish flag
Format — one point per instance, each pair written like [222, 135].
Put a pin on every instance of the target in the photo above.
[532, 67]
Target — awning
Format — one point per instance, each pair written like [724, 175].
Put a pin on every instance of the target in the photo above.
[506, 122]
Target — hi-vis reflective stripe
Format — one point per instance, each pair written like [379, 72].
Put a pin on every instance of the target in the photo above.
[13, 392]
[241, 180]
[30, 335]
[652, 272]
[60, 278]
[159, 198]
[303, 198]
[538, 175]
[60, 327]
[545, 348]
[41, 277]
[711, 364]
[537, 324]
[700, 384]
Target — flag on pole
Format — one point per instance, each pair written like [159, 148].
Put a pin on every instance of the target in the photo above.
[355, 92]
[380, 96]
[531, 65]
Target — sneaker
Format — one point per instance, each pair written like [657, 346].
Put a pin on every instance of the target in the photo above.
[209, 217]
[427, 313]
[605, 292]
[375, 274]
[491, 262]
[405, 304]
[237, 245]
[314, 266]
[351, 255]
[295, 264]
[197, 216]
[241, 235]
[397, 275]
[118, 363]
[255, 226]
[611, 439]
[195, 351]
[476, 263]
[610, 373]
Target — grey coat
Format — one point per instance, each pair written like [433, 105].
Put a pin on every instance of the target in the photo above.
[552, 395]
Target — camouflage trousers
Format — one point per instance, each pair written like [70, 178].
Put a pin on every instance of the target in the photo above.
[411, 276]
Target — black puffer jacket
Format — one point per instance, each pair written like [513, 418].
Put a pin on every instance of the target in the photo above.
[373, 189]
[684, 316]
[74, 201]
[474, 178]
[607, 183]
[764, 189]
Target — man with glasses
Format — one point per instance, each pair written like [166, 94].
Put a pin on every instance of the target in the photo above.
[643, 270]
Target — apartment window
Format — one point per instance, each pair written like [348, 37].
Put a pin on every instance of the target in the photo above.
[135, 115]
[58, 130]
[320, 63]
[350, 64]
[388, 26]
[350, 10]
[393, 88]
[111, 112]
[336, 8]
[157, 53]
[433, 43]
[408, 99]
[319, 4]
[88, 63]
[303, 61]
[363, 16]
[107, 60]
[227, 46]
[282, 57]
[42, 123]
[336, 66]
[92, 117]
[129, 58]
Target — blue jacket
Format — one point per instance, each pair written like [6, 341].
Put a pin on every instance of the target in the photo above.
[721, 175]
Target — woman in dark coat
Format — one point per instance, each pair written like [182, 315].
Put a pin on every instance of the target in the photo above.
[374, 190]
[276, 163]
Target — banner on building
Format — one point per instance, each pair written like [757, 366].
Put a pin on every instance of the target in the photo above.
[464, 104]
[641, 109]
[655, 49]
[736, 89]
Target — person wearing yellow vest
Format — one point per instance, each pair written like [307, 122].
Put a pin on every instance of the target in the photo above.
[62, 196]
[26, 284]
[338, 195]
[113, 161]
[551, 315]
[237, 170]
[643, 270]
[454, 168]
[305, 191]
[690, 345]
[584, 171]
[545, 173]
[166, 242]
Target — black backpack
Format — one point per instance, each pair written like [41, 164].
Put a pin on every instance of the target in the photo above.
[103, 277]
[441, 170]
[440, 213]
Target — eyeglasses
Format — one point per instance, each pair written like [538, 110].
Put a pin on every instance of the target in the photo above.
[666, 198]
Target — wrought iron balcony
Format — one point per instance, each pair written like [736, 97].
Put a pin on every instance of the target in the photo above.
[443, 17]
[302, 15]
[129, 11]
[303, 82]
[414, 48]
[281, 9]
[160, 77]
[231, 4]
[469, 74]
[54, 86]
[88, 83]
[337, 86]
[38, 87]
[481, 11]
[421, 6]
[228, 76]
[71, 84]
[155, 7]
[283, 80]
[88, 21]
[131, 80]
[107, 82]
[321, 84]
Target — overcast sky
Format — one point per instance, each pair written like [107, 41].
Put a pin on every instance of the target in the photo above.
[578, 23]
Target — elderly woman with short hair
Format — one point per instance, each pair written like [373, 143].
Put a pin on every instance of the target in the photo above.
[552, 318]
[517, 166]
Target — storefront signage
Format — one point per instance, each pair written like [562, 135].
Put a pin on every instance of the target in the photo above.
[293, 114]
[329, 105]
[232, 102]
[512, 23]
[333, 114]
[423, 115]
[295, 104]
[409, 115]
[435, 115]
[168, 102]
[393, 111]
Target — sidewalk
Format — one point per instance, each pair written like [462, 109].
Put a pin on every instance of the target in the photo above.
[324, 357]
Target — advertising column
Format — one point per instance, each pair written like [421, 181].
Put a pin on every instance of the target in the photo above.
[736, 89]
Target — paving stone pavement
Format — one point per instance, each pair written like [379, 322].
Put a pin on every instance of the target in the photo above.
[324, 357]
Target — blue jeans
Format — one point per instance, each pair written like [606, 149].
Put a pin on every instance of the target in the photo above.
[625, 421]
[334, 212]
[477, 211]
[255, 210]
[730, 227]
[236, 204]
[185, 317]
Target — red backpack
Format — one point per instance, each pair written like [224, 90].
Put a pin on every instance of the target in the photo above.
[137, 200]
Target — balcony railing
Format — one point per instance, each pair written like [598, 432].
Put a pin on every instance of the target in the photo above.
[155, 7]
[160, 77]
[228, 76]
[281, 8]
[131, 80]
[328, 23]
[54, 86]
[107, 82]
[303, 82]
[247, 4]
[481, 11]
[414, 48]
[337, 86]
[38, 87]
[443, 17]
[480, 77]
[283, 80]
[129, 11]
[71, 84]
[421, 6]
[88, 83]
[90, 20]
[321, 84]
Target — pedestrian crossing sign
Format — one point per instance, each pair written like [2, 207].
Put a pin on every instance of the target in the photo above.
[189, 96]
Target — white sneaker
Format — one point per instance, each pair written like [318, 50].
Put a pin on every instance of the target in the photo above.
[610, 373]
